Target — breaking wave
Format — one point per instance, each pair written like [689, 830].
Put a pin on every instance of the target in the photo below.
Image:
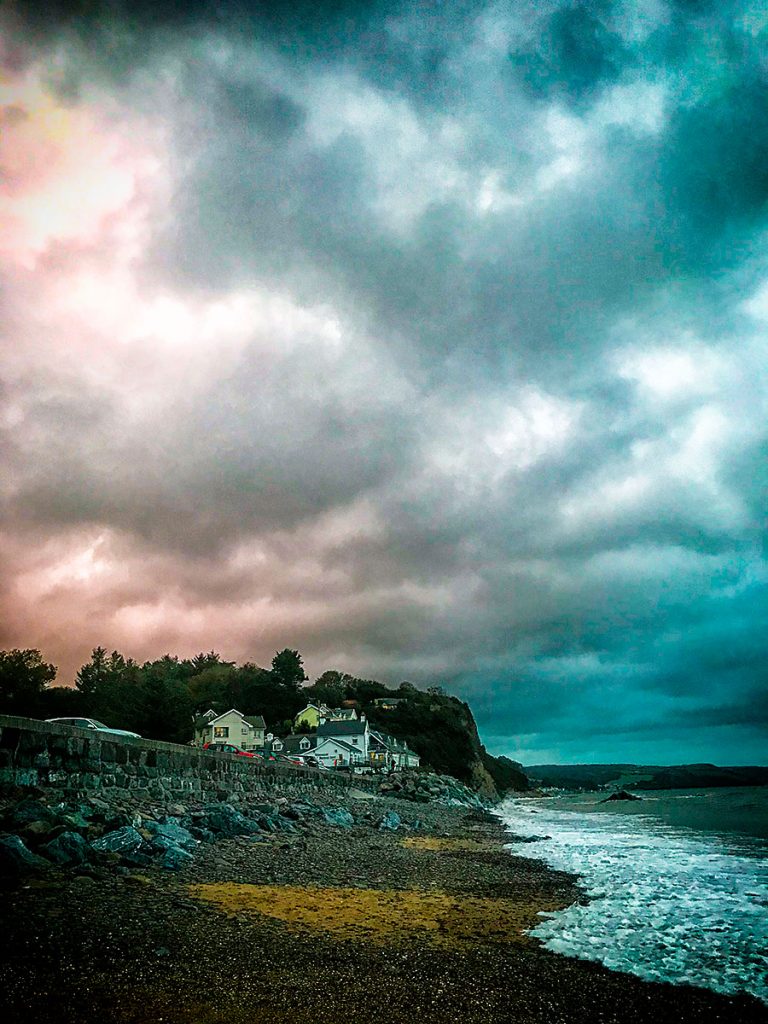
[665, 903]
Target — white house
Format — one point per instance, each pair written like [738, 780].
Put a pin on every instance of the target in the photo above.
[342, 742]
[246, 731]
[330, 752]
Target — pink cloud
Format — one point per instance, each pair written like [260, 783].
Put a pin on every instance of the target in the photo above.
[64, 171]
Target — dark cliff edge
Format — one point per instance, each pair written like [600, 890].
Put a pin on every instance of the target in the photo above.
[442, 730]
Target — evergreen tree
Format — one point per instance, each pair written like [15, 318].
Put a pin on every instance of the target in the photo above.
[23, 679]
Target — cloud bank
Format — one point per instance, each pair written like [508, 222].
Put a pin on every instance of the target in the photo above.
[428, 339]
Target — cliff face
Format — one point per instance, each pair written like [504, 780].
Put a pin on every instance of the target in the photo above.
[443, 732]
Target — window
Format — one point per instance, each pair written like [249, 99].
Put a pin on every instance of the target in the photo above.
[244, 730]
[354, 739]
[221, 732]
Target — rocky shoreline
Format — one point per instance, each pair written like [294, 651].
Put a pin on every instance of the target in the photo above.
[304, 910]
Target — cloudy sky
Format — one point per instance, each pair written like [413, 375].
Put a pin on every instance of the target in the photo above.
[427, 338]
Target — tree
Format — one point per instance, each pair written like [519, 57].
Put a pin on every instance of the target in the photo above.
[202, 662]
[364, 691]
[91, 676]
[110, 687]
[164, 701]
[330, 688]
[288, 669]
[23, 678]
[212, 688]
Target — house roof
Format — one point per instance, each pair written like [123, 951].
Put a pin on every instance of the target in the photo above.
[205, 718]
[320, 708]
[293, 743]
[204, 721]
[390, 742]
[343, 714]
[256, 721]
[353, 728]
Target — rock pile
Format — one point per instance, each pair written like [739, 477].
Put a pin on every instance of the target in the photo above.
[93, 836]
[425, 788]
[621, 794]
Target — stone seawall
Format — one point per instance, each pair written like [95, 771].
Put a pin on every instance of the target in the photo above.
[76, 763]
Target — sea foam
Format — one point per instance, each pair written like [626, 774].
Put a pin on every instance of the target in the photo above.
[665, 903]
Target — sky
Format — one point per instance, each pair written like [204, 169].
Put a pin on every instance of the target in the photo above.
[428, 339]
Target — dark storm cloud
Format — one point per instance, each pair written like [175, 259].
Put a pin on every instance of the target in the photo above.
[575, 53]
[504, 427]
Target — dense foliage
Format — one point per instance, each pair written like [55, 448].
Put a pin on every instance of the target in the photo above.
[161, 699]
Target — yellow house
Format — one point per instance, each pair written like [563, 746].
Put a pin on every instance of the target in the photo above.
[309, 717]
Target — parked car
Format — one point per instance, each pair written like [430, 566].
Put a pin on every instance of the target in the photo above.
[287, 759]
[229, 748]
[92, 723]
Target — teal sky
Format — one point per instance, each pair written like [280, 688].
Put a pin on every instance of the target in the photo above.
[428, 338]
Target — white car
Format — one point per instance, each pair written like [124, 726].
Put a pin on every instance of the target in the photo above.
[92, 723]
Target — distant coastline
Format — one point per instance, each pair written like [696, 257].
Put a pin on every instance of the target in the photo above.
[644, 777]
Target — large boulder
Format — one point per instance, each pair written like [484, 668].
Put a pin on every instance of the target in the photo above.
[223, 818]
[174, 833]
[174, 858]
[338, 816]
[67, 850]
[126, 840]
[390, 822]
[27, 811]
[16, 859]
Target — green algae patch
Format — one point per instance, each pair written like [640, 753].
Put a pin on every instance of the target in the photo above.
[382, 916]
[434, 844]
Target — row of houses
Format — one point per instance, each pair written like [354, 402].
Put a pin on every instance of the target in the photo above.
[341, 738]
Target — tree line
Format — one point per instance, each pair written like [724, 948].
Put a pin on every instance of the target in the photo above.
[161, 699]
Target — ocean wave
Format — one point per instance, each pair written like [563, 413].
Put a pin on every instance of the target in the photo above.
[665, 903]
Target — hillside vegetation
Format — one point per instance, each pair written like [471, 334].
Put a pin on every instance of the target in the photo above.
[160, 700]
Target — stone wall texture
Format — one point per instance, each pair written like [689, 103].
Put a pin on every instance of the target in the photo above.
[78, 762]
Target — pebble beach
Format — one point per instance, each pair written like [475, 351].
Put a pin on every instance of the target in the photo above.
[425, 922]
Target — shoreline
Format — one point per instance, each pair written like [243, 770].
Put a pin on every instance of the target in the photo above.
[324, 925]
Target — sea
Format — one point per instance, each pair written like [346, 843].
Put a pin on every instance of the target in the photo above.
[677, 882]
